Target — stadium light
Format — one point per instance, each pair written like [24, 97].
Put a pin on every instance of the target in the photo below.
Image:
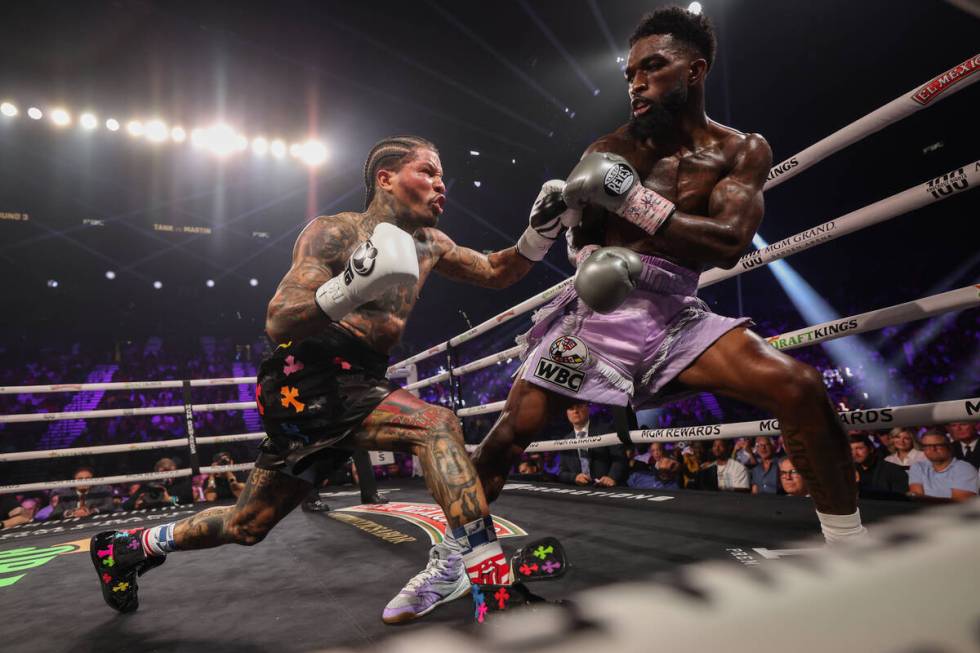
[135, 128]
[8, 109]
[260, 146]
[34, 113]
[178, 134]
[112, 125]
[156, 131]
[313, 153]
[277, 148]
[60, 117]
[88, 121]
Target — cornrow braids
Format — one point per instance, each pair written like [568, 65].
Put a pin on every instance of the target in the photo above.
[390, 154]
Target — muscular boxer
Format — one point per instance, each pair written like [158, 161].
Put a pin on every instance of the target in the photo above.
[668, 195]
[322, 392]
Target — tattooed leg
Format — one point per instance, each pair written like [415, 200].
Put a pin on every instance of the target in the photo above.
[743, 366]
[405, 423]
[267, 498]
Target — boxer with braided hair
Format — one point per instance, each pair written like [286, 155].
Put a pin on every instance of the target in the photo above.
[322, 392]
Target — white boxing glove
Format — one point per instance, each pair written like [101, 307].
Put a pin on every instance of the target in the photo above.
[385, 260]
[544, 223]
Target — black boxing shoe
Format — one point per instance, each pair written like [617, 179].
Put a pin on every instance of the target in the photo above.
[317, 504]
[542, 559]
[118, 559]
[500, 598]
[373, 498]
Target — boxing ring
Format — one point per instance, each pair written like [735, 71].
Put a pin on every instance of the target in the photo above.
[635, 533]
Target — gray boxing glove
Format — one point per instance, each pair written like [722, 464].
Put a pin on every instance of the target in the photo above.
[608, 180]
[606, 278]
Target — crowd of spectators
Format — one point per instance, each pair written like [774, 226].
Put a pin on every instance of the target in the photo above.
[938, 463]
[921, 362]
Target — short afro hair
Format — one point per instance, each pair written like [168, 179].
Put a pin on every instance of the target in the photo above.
[695, 30]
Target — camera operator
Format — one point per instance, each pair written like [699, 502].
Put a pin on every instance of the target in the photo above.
[163, 492]
[222, 486]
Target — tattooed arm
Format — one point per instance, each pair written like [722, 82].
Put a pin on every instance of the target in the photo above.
[320, 253]
[494, 270]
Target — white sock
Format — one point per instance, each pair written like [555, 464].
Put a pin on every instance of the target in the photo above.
[484, 559]
[842, 529]
[159, 540]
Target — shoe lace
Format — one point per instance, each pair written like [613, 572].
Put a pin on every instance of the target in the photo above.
[437, 569]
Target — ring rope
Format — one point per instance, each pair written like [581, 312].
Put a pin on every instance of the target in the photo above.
[957, 410]
[121, 448]
[128, 478]
[940, 86]
[125, 412]
[910, 199]
[123, 385]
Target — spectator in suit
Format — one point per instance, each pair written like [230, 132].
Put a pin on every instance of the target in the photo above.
[965, 442]
[83, 500]
[602, 466]
[942, 476]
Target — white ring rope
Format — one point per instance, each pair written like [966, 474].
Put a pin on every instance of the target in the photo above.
[125, 412]
[128, 478]
[121, 448]
[934, 190]
[939, 87]
[123, 385]
[958, 410]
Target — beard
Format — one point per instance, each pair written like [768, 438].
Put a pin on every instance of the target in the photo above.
[660, 118]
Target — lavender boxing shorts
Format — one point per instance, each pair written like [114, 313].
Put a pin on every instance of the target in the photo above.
[629, 355]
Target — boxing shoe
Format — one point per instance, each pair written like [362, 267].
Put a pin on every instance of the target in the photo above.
[375, 498]
[443, 580]
[500, 598]
[118, 559]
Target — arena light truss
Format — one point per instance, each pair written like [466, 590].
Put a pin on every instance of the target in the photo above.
[219, 139]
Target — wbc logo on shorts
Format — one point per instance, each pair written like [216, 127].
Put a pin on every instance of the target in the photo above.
[570, 351]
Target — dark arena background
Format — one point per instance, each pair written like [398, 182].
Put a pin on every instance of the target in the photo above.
[158, 160]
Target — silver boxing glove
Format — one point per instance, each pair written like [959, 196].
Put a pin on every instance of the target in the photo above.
[606, 278]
